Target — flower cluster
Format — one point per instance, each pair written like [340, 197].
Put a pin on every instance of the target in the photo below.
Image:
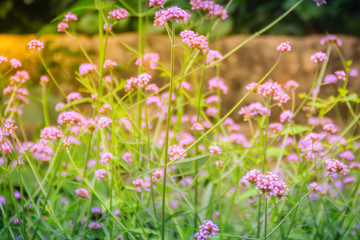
[86, 68]
[207, 230]
[51, 133]
[141, 81]
[148, 61]
[171, 14]
[103, 122]
[271, 88]
[175, 151]
[160, 3]
[254, 109]
[71, 117]
[36, 44]
[284, 47]
[82, 192]
[335, 166]
[210, 8]
[194, 40]
[331, 38]
[100, 174]
[218, 83]
[319, 57]
[118, 14]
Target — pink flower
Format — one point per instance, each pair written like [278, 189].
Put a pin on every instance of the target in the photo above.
[284, 47]
[15, 63]
[44, 79]
[197, 127]
[141, 80]
[36, 44]
[218, 83]
[331, 38]
[210, 8]
[330, 128]
[152, 88]
[212, 99]
[347, 155]
[219, 164]
[148, 61]
[94, 97]
[276, 127]
[51, 133]
[250, 177]
[291, 84]
[61, 27]
[286, 115]
[71, 117]
[211, 111]
[274, 89]
[157, 175]
[352, 72]
[82, 192]
[107, 27]
[110, 64]
[118, 14]
[207, 230]
[73, 96]
[127, 158]
[194, 40]
[335, 166]
[105, 107]
[3, 59]
[171, 14]
[271, 185]
[175, 151]
[215, 150]
[105, 157]
[212, 56]
[254, 109]
[70, 17]
[20, 77]
[59, 106]
[319, 57]
[340, 75]
[160, 3]
[330, 78]
[100, 174]
[107, 79]
[86, 68]
[104, 122]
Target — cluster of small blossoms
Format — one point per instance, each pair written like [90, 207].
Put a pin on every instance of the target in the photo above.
[207, 230]
[36, 44]
[72, 117]
[254, 109]
[215, 150]
[15, 63]
[86, 68]
[140, 184]
[341, 75]
[212, 56]
[148, 61]
[160, 3]
[284, 47]
[291, 84]
[141, 81]
[82, 192]
[157, 175]
[271, 88]
[153, 88]
[194, 40]
[271, 185]
[286, 115]
[319, 57]
[44, 79]
[335, 166]
[175, 151]
[73, 96]
[210, 8]
[319, 2]
[109, 64]
[218, 83]
[171, 14]
[276, 127]
[103, 122]
[51, 133]
[250, 177]
[42, 150]
[105, 157]
[20, 77]
[118, 14]
[100, 174]
[197, 127]
[329, 39]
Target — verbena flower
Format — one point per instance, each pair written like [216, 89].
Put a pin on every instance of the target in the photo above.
[319, 2]
[100, 174]
[218, 83]
[253, 110]
[319, 57]
[103, 122]
[86, 68]
[148, 61]
[70, 17]
[331, 38]
[215, 150]
[291, 84]
[284, 47]
[15, 63]
[194, 40]
[61, 27]
[118, 14]
[73, 96]
[207, 230]
[109, 64]
[105, 157]
[175, 151]
[197, 127]
[71, 117]
[212, 56]
[36, 44]
[286, 115]
[210, 8]
[51, 133]
[160, 3]
[171, 14]
[82, 192]
[335, 166]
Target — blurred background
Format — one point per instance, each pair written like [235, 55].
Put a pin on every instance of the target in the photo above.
[337, 16]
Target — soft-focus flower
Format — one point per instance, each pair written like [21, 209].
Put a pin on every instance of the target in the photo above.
[15, 63]
[171, 14]
[82, 192]
[250, 177]
[160, 3]
[103, 122]
[70, 17]
[219, 164]
[94, 225]
[107, 27]
[330, 128]
[207, 230]
[175, 151]
[42, 151]
[36, 44]
[212, 99]
[51, 133]
[254, 109]
[291, 84]
[141, 81]
[86, 68]
[331, 38]
[286, 115]
[347, 155]
[148, 61]
[44, 79]
[271, 185]
[330, 78]
[100, 174]
[274, 89]
[127, 157]
[353, 72]
[197, 127]
[118, 14]
[335, 166]
[194, 40]
[210, 8]
[20, 77]
[211, 111]
[105, 107]
[110, 64]
[152, 88]
[212, 56]
[105, 157]
[61, 27]
[218, 83]
[276, 127]
[3, 59]
[73, 96]
[215, 150]
[71, 117]
[2, 201]
[319, 2]
[157, 175]
[340, 75]
[319, 57]
[284, 47]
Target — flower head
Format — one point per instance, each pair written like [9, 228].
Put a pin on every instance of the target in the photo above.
[118, 14]
[215, 150]
[109, 64]
[284, 47]
[207, 230]
[36, 44]
[210, 8]
[175, 151]
[335, 166]
[51, 133]
[15, 63]
[173, 14]
[319, 57]
[194, 40]
[212, 56]
[103, 122]
[286, 115]
[100, 174]
[82, 192]
[160, 3]
[86, 68]
[70, 17]
[71, 117]
[148, 61]
[61, 27]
